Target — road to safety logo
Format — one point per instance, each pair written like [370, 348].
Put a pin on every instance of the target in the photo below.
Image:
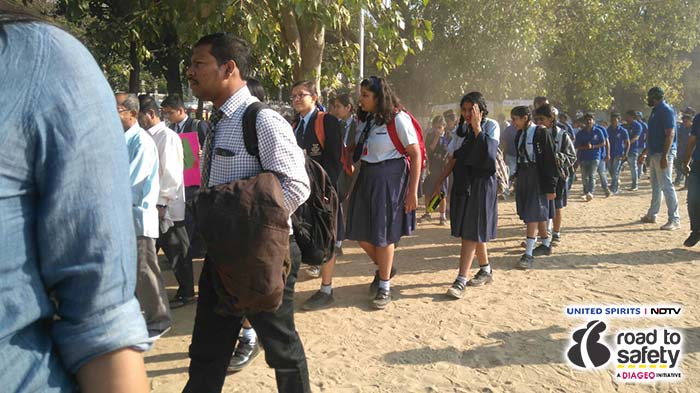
[636, 355]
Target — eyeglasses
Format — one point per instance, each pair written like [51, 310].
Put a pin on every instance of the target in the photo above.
[299, 96]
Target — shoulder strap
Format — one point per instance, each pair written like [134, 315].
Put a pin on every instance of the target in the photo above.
[195, 124]
[391, 128]
[250, 131]
[318, 129]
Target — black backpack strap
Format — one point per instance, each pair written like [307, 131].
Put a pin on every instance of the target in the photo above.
[250, 132]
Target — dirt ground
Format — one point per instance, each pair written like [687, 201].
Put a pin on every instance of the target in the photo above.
[510, 336]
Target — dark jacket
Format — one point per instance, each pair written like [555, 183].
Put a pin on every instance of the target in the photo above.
[543, 146]
[476, 158]
[330, 155]
[201, 127]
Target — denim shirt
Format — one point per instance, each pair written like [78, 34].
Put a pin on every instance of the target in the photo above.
[67, 242]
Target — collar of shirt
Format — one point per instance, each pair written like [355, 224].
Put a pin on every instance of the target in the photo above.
[307, 118]
[181, 125]
[234, 102]
[157, 128]
[132, 130]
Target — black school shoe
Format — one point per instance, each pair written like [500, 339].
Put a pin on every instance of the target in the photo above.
[480, 279]
[542, 250]
[381, 299]
[456, 290]
[526, 262]
[243, 355]
[375, 283]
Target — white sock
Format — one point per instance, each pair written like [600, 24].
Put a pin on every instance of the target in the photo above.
[550, 224]
[556, 234]
[339, 244]
[249, 335]
[530, 245]
[486, 268]
[462, 279]
[443, 216]
[547, 241]
[384, 285]
[327, 289]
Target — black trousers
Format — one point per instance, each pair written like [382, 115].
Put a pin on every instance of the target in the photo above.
[197, 246]
[214, 338]
[175, 244]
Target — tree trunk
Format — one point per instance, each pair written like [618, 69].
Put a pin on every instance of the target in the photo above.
[306, 36]
[135, 74]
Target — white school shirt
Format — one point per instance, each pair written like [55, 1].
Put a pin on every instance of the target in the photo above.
[379, 146]
[171, 159]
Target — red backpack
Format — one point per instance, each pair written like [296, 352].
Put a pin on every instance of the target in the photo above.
[391, 128]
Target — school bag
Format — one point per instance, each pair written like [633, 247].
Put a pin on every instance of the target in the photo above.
[565, 155]
[315, 221]
[391, 128]
[502, 173]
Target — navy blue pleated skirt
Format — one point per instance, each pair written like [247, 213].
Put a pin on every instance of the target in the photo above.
[376, 211]
[474, 216]
[531, 203]
[562, 194]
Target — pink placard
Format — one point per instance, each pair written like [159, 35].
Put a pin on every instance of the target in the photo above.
[190, 149]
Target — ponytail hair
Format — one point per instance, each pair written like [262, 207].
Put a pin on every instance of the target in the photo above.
[387, 102]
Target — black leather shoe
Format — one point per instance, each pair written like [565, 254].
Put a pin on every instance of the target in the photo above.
[692, 240]
[243, 355]
[181, 301]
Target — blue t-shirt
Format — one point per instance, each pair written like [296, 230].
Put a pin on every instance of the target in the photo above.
[662, 118]
[594, 137]
[643, 135]
[617, 137]
[635, 129]
[682, 139]
[695, 131]
[603, 150]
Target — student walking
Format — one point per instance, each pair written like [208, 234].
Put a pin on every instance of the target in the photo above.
[535, 184]
[384, 200]
[619, 149]
[474, 203]
[436, 143]
[589, 142]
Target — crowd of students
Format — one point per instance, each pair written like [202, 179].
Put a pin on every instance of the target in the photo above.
[372, 152]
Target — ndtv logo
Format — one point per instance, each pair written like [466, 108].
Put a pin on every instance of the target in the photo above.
[664, 311]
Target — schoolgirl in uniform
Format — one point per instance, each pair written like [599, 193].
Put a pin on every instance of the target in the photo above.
[535, 184]
[546, 116]
[305, 102]
[384, 200]
[473, 200]
[436, 143]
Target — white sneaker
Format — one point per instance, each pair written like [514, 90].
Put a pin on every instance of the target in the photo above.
[671, 226]
[589, 197]
[314, 271]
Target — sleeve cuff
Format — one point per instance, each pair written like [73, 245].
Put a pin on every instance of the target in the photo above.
[80, 341]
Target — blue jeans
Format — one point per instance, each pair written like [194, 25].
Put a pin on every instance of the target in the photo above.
[632, 158]
[615, 168]
[603, 174]
[694, 196]
[662, 181]
[588, 169]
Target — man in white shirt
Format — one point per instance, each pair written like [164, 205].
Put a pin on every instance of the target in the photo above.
[145, 187]
[171, 199]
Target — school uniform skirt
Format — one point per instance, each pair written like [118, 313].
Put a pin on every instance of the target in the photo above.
[474, 215]
[531, 203]
[376, 212]
[562, 194]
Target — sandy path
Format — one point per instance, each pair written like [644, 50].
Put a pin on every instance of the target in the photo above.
[507, 337]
